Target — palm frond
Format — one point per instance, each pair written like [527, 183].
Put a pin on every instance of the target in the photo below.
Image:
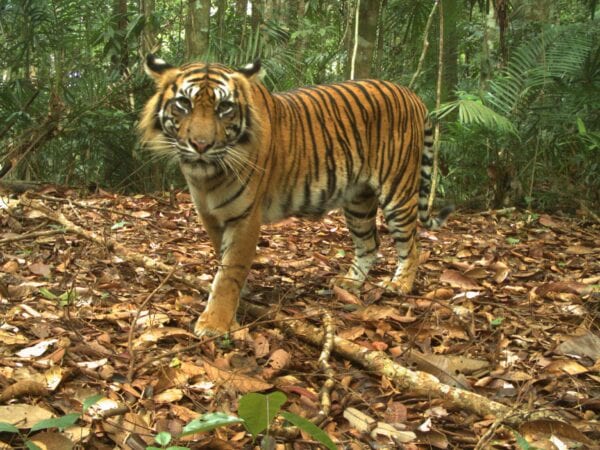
[472, 111]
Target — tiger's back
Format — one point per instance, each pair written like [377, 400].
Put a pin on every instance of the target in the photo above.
[251, 157]
[330, 142]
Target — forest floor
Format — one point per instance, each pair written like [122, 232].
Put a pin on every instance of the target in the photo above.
[506, 306]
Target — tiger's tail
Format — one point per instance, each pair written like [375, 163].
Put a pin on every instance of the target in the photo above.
[427, 221]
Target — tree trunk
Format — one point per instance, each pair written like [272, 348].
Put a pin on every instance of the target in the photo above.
[120, 60]
[367, 37]
[148, 38]
[197, 29]
[450, 10]
[221, 31]
[295, 16]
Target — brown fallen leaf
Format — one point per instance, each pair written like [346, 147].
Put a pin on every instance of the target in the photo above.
[458, 280]
[39, 268]
[501, 271]
[581, 250]
[169, 396]
[279, 359]
[565, 367]
[156, 334]
[236, 381]
[346, 297]
[546, 427]
[585, 345]
[50, 440]
[261, 345]
[23, 416]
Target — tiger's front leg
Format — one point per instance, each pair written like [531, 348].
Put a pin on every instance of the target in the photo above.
[238, 248]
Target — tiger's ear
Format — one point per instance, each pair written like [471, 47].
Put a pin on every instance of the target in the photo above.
[156, 67]
[253, 71]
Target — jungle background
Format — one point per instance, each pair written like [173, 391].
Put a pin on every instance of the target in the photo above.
[518, 98]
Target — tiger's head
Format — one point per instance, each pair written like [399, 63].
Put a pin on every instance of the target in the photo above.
[200, 112]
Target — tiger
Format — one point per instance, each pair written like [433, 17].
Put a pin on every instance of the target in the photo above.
[251, 157]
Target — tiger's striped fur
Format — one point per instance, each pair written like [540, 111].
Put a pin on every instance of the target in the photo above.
[251, 157]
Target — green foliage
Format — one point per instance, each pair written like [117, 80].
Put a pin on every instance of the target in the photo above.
[520, 131]
[259, 410]
[528, 130]
[309, 428]
[208, 422]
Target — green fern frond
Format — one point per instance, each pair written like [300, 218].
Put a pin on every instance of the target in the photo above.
[472, 111]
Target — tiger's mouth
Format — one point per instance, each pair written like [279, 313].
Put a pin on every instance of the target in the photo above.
[213, 154]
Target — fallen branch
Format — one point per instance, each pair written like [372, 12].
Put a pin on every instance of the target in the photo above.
[415, 382]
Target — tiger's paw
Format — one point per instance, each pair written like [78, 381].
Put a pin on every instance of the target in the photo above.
[398, 285]
[210, 325]
[349, 284]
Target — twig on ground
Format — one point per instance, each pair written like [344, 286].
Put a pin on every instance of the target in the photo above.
[133, 323]
[325, 394]
[34, 234]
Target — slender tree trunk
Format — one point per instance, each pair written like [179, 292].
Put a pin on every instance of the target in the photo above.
[367, 37]
[241, 10]
[220, 16]
[120, 60]
[197, 29]
[380, 40]
[148, 38]
[295, 17]
[450, 10]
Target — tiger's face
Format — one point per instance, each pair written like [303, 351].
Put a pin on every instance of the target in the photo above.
[200, 111]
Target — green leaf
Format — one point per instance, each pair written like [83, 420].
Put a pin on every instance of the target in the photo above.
[57, 422]
[47, 294]
[497, 321]
[258, 410]
[308, 427]
[31, 446]
[512, 240]
[163, 438]
[209, 422]
[522, 442]
[118, 225]
[88, 402]
[177, 447]
[8, 428]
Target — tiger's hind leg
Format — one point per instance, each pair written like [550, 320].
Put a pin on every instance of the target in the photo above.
[360, 212]
[401, 219]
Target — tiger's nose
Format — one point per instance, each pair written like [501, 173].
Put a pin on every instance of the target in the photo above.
[200, 145]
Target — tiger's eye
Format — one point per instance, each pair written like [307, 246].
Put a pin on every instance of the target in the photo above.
[225, 107]
[182, 105]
